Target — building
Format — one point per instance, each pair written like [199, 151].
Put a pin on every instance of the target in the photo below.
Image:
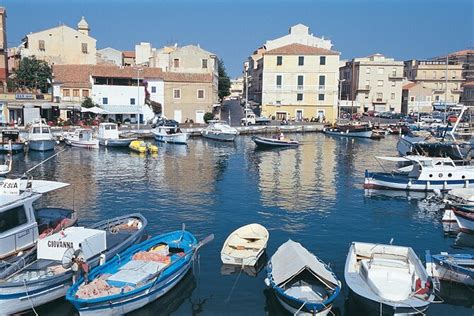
[416, 98]
[264, 75]
[128, 58]
[62, 45]
[432, 75]
[188, 96]
[109, 55]
[3, 50]
[237, 87]
[373, 83]
[300, 82]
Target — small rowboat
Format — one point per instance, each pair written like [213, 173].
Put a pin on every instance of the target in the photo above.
[464, 215]
[142, 147]
[451, 267]
[303, 284]
[275, 142]
[245, 245]
[138, 276]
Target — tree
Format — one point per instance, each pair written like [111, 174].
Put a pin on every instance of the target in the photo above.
[88, 103]
[33, 74]
[224, 81]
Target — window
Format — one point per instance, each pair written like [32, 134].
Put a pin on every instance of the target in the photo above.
[412, 98]
[85, 93]
[299, 97]
[279, 60]
[322, 60]
[204, 63]
[278, 81]
[428, 98]
[200, 94]
[84, 48]
[132, 101]
[392, 96]
[367, 70]
[12, 218]
[41, 45]
[105, 100]
[75, 92]
[153, 89]
[380, 83]
[321, 97]
[367, 84]
[278, 102]
[434, 74]
[66, 92]
[300, 60]
[366, 95]
[437, 98]
[379, 96]
[322, 81]
[394, 72]
[177, 94]
[176, 63]
[393, 83]
[300, 82]
[380, 71]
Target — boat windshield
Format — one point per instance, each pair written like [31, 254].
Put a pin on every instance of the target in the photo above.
[12, 218]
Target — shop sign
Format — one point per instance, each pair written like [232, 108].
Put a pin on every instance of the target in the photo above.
[24, 96]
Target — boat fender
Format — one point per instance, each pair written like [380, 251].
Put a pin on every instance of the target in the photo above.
[409, 184]
[427, 185]
[102, 259]
[267, 282]
[422, 290]
[106, 142]
[466, 184]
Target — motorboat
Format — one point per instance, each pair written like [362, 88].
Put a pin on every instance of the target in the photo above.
[64, 255]
[11, 142]
[82, 137]
[388, 279]
[276, 141]
[170, 134]
[40, 137]
[359, 131]
[303, 284]
[143, 147]
[219, 130]
[451, 267]
[464, 215]
[460, 196]
[245, 245]
[422, 174]
[139, 276]
[109, 136]
[6, 167]
[21, 225]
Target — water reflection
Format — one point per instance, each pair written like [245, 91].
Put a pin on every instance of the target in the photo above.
[457, 294]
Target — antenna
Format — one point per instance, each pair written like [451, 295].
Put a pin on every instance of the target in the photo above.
[391, 241]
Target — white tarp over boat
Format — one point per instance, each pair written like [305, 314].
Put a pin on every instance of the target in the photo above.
[291, 258]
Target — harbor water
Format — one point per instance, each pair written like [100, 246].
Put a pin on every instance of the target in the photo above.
[312, 194]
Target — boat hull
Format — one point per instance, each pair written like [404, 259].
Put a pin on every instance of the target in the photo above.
[293, 308]
[388, 181]
[173, 139]
[438, 266]
[15, 148]
[120, 142]
[347, 133]
[82, 144]
[465, 223]
[41, 145]
[265, 142]
[225, 137]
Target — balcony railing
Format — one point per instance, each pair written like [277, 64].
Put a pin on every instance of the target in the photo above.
[364, 88]
[300, 87]
[322, 88]
[379, 100]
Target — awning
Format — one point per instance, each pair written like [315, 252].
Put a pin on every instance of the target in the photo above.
[70, 106]
[120, 109]
[95, 110]
[291, 258]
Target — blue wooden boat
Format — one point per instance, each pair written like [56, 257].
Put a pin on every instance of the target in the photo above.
[45, 280]
[303, 284]
[361, 131]
[138, 276]
[279, 141]
[451, 267]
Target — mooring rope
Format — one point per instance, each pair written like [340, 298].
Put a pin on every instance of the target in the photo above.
[29, 300]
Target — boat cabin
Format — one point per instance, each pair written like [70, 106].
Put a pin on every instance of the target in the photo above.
[170, 130]
[84, 134]
[438, 169]
[12, 135]
[108, 131]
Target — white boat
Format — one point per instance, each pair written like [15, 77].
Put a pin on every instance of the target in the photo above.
[21, 225]
[359, 131]
[11, 142]
[303, 284]
[109, 136]
[170, 134]
[388, 279]
[219, 130]
[82, 137]
[460, 196]
[451, 267]
[245, 245]
[422, 174]
[40, 137]
[464, 217]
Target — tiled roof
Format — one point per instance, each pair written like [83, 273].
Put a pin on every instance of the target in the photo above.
[74, 76]
[468, 84]
[462, 52]
[125, 72]
[186, 77]
[408, 85]
[300, 49]
[128, 54]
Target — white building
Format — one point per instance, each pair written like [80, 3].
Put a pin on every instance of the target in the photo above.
[299, 34]
[109, 55]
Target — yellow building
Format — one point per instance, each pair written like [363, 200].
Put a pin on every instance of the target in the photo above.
[62, 45]
[300, 82]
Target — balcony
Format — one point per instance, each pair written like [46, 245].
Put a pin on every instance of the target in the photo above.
[364, 88]
[394, 76]
[379, 100]
[300, 88]
[456, 90]
[439, 90]
[321, 88]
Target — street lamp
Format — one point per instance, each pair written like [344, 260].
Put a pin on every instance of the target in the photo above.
[246, 68]
[339, 97]
[138, 98]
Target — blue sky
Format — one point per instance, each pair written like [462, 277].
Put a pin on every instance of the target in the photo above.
[402, 29]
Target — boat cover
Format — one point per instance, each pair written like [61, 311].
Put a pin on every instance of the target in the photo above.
[291, 258]
[463, 193]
